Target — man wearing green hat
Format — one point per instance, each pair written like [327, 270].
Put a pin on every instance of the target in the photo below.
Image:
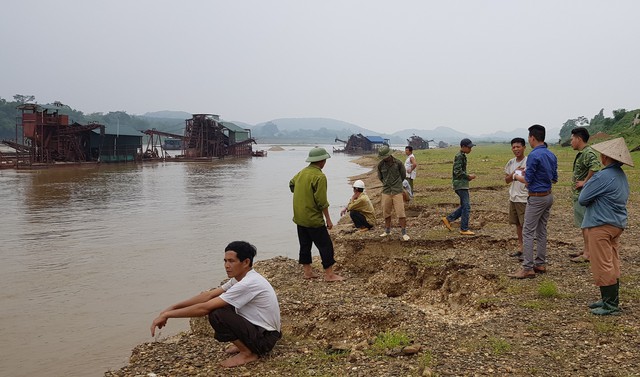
[310, 204]
[391, 172]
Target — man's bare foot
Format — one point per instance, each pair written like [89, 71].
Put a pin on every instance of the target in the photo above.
[333, 277]
[232, 349]
[313, 275]
[239, 359]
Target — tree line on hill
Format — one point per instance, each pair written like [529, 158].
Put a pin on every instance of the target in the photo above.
[620, 124]
[10, 116]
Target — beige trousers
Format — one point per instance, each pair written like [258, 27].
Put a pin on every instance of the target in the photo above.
[604, 242]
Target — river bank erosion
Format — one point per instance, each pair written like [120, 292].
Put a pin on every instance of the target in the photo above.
[439, 304]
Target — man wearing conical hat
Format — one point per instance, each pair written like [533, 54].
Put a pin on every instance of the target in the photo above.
[605, 197]
[310, 204]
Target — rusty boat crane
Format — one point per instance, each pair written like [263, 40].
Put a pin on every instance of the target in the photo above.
[416, 142]
[205, 137]
[47, 137]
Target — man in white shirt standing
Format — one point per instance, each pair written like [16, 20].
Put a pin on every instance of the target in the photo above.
[243, 311]
[518, 192]
[410, 165]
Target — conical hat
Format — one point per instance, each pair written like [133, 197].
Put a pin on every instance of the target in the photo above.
[616, 149]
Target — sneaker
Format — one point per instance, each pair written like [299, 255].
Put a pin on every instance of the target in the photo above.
[446, 223]
[405, 237]
[384, 234]
[467, 233]
[516, 254]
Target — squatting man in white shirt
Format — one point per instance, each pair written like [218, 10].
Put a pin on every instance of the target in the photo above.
[243, 311]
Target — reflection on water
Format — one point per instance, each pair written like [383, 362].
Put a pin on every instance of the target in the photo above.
[91, 255]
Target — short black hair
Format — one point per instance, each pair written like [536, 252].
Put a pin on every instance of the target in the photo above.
[581, 132]
[518, 140]
[409, 147]
[243, 250]
[538, 132]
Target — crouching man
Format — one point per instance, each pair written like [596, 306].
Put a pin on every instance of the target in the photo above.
[360, 208]
[243, 311]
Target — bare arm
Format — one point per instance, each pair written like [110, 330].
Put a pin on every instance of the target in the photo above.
[198, 299]
[521, 179]
[196, 306]
[413, 164]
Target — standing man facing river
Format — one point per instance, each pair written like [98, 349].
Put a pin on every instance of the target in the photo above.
[309, 188]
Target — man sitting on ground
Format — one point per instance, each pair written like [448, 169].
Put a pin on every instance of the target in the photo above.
[360, 208]
[243, 311]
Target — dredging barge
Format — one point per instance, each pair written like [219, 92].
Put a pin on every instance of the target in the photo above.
[46, 138]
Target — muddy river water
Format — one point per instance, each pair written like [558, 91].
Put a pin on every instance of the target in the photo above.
[90, 255]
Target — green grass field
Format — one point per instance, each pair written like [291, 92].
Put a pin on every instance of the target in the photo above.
[487, 161]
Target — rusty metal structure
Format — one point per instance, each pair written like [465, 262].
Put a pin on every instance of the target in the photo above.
[418, 143]
[46, 137]
[360, 144]
[205, 137]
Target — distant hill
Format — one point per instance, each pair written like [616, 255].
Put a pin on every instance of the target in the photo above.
[324, 130]
[168, 114]
[310, 130]
[446, 134]
[553, 135]
[295, 124]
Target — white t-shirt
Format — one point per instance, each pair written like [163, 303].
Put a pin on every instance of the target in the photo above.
[407, 167]
[518, 192]
[254, 300]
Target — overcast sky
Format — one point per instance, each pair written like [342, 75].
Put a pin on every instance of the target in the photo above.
[475, 66]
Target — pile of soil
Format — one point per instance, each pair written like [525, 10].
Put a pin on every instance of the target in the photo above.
[447, 294]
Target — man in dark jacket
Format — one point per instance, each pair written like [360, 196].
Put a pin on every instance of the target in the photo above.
[391, 173]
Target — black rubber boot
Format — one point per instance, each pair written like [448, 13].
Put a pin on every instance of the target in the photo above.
[599, 303]
[610, 300]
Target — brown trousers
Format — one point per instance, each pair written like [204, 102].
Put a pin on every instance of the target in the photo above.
[603, 243]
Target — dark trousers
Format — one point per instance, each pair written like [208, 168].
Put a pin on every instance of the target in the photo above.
[359, 220]
[229, 327]
[320, 237]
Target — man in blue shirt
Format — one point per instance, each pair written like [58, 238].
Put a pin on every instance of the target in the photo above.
[541, 172]
[605, 197]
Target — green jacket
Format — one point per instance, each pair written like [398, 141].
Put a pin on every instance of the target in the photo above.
[585, 160]
[309, 188]
[391, 175]
[460, 177]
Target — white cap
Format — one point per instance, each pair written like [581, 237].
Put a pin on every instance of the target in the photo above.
[358, 184]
